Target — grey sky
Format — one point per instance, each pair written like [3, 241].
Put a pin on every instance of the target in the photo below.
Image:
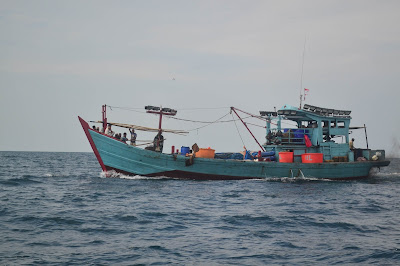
[61, 59]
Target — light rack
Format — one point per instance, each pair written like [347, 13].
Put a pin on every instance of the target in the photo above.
[325, 111]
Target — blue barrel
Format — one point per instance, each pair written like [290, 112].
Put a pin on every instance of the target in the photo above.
[185, 150]
[269, 158]
[267, 153]
[263, 154]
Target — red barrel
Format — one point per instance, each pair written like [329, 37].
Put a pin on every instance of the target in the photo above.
[286, 157]
[312, 158]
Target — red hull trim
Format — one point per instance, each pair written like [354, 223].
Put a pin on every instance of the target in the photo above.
[86, 128]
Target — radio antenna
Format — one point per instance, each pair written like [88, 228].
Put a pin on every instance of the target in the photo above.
[302, 68]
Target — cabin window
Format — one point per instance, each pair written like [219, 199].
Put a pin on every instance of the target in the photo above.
[325, 123]
[333, 124]
[304, 124]
[341, 124]
[339, 139]
[312, 124]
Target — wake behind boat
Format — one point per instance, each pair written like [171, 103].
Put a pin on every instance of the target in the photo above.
[308, 150]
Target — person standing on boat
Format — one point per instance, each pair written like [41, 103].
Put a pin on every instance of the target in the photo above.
[108, 131]
[351, 144]
[124, 138]
[158, 142]
[133, 136]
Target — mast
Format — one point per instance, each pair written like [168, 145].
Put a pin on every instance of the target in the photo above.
[302, 68]
[160, 111]
[104, 116]
[159, 123]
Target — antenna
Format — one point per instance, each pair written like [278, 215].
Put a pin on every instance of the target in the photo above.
[302, 68]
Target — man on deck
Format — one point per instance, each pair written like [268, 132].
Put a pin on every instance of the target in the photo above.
[108, 131]
[351, 144]
[124, 138]
[158, 142]
[133, 136]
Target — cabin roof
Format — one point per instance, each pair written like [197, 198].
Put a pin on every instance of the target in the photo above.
[310, 112]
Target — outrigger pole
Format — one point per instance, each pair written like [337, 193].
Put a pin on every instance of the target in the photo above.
[233, 109]
[150, 109]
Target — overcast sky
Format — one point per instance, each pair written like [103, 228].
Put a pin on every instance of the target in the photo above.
[61, 59]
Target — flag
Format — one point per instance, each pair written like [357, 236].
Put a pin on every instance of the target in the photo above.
[307, 141]
[305, 93]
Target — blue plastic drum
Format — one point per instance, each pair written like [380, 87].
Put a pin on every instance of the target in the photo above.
[185, 150]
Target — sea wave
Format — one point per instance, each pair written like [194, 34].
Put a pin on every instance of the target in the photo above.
[57, 210]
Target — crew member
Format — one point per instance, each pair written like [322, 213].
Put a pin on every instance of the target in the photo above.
[124, 138]
[133, 136]
[108, 131]
[351, 144]
[158, 142]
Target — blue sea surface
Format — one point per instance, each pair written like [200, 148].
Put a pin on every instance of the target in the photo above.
[58, 208]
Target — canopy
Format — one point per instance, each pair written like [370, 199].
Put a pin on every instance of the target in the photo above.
[144, 128]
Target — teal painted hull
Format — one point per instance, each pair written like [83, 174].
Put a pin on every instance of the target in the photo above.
[116, 155]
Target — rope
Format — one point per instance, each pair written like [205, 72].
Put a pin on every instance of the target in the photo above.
[209, 123]
[197, 121]
[239, 132]
[247, 123]
[251, 115]
[205, 108]
[141, 108]
[204, 122]
[127, 109]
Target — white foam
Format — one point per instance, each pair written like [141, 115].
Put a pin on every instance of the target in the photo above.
[382, 174]
[295, 179]
[55, 175]
[114, 174]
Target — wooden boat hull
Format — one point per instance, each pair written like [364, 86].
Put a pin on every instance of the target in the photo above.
[115, 155]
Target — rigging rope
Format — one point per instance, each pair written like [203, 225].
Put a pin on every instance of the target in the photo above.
[205, 122]
[209, 123]
[247, 123]
[127, 109]
[204, 108]
[141, 108]
[251, 115]
[197, 121]
[239, 132]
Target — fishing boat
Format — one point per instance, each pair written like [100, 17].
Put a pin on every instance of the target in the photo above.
[309, 149]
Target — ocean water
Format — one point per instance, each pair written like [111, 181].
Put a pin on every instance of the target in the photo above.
[58, 208]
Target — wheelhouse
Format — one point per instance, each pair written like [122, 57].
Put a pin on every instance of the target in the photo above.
[327, 130]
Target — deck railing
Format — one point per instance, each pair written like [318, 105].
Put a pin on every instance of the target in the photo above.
[295, 135]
